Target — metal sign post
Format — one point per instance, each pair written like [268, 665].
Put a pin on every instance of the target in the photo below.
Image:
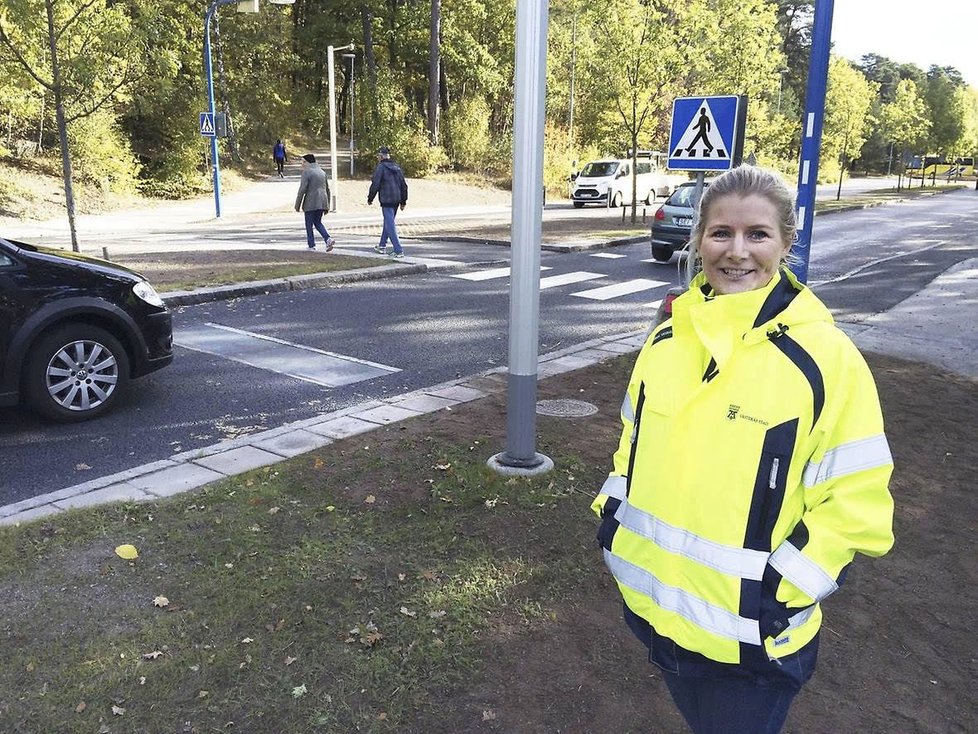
[520, 456]
[811, 140]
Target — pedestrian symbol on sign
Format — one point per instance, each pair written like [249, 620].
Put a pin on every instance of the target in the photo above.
[207, 124]
[701, 137]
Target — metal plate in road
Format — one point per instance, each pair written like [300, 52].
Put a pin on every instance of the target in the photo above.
[277, 355]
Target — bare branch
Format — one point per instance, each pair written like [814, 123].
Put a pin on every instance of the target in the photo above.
[68, 23]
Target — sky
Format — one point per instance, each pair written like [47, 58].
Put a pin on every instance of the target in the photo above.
[923, 32]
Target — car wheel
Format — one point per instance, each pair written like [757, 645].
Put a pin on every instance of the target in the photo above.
[76, 372]
[578, 204]
[616, 200]
[662, 254]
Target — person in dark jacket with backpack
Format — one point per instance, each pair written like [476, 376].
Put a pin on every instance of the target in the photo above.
[389, 186]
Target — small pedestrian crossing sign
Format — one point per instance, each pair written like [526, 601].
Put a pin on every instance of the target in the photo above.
[207, 125]
[705, 133]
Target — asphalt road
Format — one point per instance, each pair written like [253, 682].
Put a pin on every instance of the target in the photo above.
[431, 328]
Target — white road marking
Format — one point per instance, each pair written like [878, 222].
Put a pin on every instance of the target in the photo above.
[278, 355]
[654, 304]
[578, 276]
[490, 274]
[607, 255]
[620, 289]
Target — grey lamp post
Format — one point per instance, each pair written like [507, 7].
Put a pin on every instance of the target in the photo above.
[330, 50]
[244, 6]
[351, 57]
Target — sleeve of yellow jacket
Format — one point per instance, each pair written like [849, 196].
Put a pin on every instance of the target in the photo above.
[848, 506]
[614, 485]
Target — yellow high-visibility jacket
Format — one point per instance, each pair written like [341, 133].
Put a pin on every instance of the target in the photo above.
[751, 468]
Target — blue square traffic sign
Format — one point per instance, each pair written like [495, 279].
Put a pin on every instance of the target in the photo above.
[704, 133]
[207, 124]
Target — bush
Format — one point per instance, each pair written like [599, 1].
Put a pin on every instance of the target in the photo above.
[466, 131]
[101, 155]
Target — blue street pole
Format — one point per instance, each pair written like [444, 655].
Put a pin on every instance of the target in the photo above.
[811, 134]
[215, 163]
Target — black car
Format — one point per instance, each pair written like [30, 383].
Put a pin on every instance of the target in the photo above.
[673, 222]
[74, 330]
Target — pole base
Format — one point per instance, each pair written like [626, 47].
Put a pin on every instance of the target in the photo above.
[504, 464]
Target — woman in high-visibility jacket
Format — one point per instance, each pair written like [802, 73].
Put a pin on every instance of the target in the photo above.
[751, 468]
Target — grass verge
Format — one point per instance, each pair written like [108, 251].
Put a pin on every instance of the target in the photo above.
[175, 271]
[360, 587]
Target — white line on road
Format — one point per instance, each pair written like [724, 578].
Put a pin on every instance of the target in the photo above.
[490, 274]
[607, 255]
[577, 276]
[620, 289]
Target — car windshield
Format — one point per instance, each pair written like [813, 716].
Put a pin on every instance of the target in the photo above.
[600, 169]
[683, 196]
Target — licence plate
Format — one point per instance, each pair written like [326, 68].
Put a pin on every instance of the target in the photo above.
[684, 221]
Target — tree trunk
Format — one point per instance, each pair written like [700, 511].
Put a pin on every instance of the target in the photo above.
[434, 70]
[62, 124]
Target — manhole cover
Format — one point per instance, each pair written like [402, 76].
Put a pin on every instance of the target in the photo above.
[566, 408]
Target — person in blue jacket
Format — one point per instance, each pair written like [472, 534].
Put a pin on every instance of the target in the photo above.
[280, 157]
[389, 186]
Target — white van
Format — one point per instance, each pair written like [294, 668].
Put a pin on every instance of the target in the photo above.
[610, 180]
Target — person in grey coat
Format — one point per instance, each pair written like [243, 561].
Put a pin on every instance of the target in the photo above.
[389, 186]
[313, 200]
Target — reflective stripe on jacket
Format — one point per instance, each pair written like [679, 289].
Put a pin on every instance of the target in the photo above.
[751, 468]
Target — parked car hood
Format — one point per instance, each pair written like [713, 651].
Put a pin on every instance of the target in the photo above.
[74, 259]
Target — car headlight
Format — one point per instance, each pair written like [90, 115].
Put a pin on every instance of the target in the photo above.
[148, 293]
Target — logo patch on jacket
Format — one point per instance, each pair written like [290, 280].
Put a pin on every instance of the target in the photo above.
[734, 412]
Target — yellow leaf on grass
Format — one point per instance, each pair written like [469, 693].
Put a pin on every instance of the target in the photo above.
[118, 710]
[127, 552]
[370, 499]
[80, 707]
[318, 463]
[161, 601]
[408, 613]
[152, 655]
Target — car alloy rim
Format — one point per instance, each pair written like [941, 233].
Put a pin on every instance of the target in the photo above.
[82, 375]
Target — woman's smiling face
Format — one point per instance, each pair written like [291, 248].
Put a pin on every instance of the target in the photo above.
[742, 245]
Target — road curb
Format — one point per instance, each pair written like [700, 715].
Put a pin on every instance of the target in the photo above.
[198, 467]
[292, 283]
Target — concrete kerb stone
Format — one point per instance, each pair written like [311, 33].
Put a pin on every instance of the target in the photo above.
[195, 468]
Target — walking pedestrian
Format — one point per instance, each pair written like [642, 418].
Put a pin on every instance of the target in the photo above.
[389, 186]
[313, 200]
[744, 485]
[280, 157]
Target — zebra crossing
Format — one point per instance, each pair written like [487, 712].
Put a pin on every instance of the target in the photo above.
[600, 292]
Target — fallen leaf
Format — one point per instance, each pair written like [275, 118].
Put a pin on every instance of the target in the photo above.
[142, 680]
[127, 552]
[408, 613]
[152, 655]
[246, 640]
[318, 463]
[289, 661]
[203, 694]
[330, 508]
[371, 638]
[228, 565]
[437, 615]
[428, 575]
[370, 499]
[273, 510]
[118, 710]
[443, 467]
[492, 503]
[80, 707]
[30, 667]
[382, 716]
[161, 601]
[488, 715]
[401, 576]
[299, 691]
[82, 467]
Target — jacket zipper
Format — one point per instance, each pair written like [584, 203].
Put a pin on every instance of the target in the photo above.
[772, 484]
[635, 426]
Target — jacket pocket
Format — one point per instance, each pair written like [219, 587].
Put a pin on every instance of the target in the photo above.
[770, 485]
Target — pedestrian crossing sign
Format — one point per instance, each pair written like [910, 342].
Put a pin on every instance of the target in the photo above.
[706, 133]
[207, 125]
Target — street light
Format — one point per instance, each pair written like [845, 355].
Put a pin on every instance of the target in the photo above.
[244, 6]
[332, 120]
[351, 57]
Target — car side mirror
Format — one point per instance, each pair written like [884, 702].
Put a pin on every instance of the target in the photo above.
[573, 177]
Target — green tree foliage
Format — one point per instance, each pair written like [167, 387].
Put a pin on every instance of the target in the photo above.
[946, 98]
[848, 101]
[904, 122]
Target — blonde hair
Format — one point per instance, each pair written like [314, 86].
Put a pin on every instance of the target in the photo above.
[745, 181]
